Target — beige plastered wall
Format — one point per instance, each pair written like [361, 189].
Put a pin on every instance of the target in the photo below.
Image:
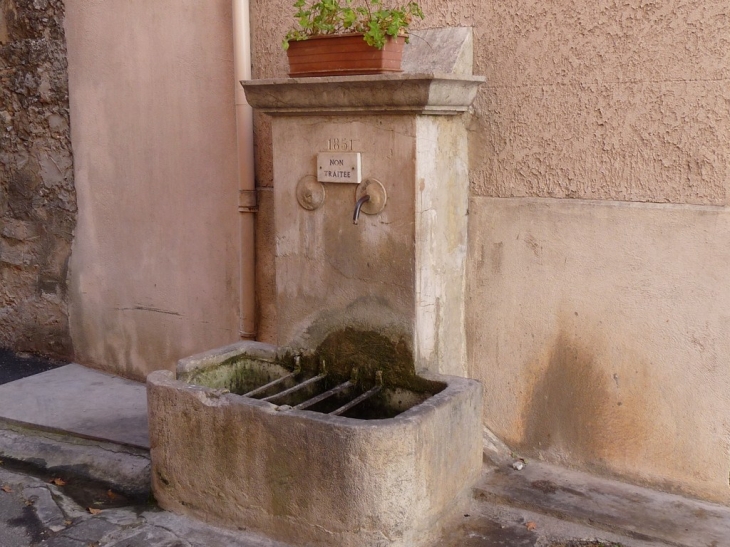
[155, 261]
[598, 308]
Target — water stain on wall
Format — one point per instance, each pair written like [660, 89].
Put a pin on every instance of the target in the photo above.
[579, 409]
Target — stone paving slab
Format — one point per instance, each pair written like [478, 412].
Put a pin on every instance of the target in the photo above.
[27, 521]
[639, 513]
[78, 400]
[23, 523]
[122, 467]
[17, 527]
[33, 513]
[491, 525]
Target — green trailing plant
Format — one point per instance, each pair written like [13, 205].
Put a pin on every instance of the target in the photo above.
[368, 17]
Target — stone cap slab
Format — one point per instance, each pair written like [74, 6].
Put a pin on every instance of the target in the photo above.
[405, 93]
[446, 50]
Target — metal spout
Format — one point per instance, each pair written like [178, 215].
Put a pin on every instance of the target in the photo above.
[358, 206]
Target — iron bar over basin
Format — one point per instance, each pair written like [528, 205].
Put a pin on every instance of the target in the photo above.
[322, 396]
[356, 401]
[297, 387]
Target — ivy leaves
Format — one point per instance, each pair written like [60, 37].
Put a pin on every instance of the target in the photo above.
[371, 18]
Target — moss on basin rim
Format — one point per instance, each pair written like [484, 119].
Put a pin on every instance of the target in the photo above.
[343, 351]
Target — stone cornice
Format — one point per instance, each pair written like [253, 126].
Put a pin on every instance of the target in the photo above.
[404, 93]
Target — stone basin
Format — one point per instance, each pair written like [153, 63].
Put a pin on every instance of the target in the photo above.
[305, 476]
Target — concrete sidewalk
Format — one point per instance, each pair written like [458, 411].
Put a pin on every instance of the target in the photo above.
[75, 418]
[81, 401]
[83, 425]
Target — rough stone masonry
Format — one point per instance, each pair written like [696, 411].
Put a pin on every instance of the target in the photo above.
[37, 196]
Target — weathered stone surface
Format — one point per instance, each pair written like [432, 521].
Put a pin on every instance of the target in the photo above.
[608, 505]
[307, 477]
[37, 196]
[447, 50]
[91, 530]
[414, 251]
[124, 468]
[76, 399]
[380, 93]
[45, 507]
[33, 512]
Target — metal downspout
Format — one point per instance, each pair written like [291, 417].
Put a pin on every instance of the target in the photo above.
[246, 181]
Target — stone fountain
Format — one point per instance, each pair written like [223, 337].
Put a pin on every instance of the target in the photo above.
[358, 428]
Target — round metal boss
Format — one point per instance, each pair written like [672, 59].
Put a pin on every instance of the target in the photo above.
[375, 189]
[310, 193]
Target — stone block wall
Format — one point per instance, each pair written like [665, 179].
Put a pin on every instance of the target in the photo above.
[37, 196]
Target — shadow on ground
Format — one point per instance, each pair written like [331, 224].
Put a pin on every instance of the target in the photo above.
[14, 366]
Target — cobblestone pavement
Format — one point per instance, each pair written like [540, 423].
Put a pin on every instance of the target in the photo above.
[37, 513]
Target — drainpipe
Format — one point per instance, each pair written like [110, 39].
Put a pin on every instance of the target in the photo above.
[246, 183]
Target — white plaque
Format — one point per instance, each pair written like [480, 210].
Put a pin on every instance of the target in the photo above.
[339, 167]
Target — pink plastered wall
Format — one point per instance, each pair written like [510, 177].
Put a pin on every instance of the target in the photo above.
[155, 263]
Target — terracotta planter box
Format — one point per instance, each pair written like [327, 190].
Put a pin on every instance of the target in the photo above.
[342, 55]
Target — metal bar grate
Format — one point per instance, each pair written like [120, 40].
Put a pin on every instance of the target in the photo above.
[356, 401]
[295, 388]
[322, 396]
[270, 384]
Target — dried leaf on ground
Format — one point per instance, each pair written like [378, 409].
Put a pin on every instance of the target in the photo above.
[94, 511]
[530, 526]
[6, 489]
[58, 481]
